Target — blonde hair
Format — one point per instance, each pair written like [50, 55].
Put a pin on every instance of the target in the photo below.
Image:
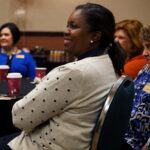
[132, 28]
[145, 33]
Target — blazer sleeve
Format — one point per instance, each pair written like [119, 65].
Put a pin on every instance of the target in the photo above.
[51, 97]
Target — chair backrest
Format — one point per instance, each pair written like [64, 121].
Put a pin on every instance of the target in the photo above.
[114, 117]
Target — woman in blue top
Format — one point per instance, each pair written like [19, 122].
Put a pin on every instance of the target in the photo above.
[18, 60]
[137, 136]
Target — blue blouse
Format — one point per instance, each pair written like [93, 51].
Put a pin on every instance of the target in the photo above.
[21, 62]
[138, 131]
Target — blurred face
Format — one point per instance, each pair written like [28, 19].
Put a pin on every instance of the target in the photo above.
[122, 37]
[6, 38]
[146, 52]
[77, 37]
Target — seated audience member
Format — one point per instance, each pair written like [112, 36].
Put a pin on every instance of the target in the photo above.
[61, 112]
[18, 60]
[137, 136]
[127, 34]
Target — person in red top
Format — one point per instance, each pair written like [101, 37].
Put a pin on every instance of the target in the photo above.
[134, 65]
[127, 34]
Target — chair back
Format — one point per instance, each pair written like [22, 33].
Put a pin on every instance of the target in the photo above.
[114, 117]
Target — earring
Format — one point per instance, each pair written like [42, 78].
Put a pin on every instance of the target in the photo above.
[91, 41]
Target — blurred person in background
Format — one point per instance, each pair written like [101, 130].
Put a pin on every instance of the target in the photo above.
[137, 136]
[127, 34]
[18, 60]
[61, 112]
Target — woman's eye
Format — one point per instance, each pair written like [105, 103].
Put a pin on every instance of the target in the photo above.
[72, 25]
[4, 34]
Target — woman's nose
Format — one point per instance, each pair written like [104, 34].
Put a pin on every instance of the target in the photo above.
[145, 52]
[67, 31]
[116, 39]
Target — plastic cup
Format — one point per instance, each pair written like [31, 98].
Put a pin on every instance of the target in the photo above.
[14, 84]
[40, 72]
[3, 72]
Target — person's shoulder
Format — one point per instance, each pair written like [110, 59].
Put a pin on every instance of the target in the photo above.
[89, 62]
[26, 54]
[137, 60]
[92, 59]
[143, 71]
[135, 63]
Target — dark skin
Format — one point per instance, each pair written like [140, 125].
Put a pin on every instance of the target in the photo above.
[78, 37]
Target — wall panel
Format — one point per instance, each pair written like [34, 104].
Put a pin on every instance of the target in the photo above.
[51, 15]
[41, 17]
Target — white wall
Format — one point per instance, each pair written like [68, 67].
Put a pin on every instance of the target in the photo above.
[51, 15]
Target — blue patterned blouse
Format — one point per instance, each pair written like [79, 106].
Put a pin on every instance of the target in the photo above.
[138, 132]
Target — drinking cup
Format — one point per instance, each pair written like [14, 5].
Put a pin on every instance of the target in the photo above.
[14, 84]
[40, 72]
[3, 72]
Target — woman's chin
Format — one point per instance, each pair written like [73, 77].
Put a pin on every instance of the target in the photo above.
[67, 49]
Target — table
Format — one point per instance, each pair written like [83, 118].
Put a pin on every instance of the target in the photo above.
[6, 125]
[26, 87]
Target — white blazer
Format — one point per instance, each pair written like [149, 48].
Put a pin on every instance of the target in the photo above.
[60, 113]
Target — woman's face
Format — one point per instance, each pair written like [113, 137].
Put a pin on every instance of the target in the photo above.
[122, 37]
[146, 51]
[6, 38]
[77, 37]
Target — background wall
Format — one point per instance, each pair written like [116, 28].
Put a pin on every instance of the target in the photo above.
[51, 15]
[42, 23]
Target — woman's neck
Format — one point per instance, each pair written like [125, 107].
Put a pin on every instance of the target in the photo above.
[91, 53]
[10, 50]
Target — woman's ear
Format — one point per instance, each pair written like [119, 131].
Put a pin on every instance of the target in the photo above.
[96, 36]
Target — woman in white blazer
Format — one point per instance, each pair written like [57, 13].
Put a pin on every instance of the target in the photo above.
[61, 112]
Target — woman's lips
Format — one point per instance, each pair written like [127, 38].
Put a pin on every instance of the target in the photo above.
[67, 41]
[3, 41]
